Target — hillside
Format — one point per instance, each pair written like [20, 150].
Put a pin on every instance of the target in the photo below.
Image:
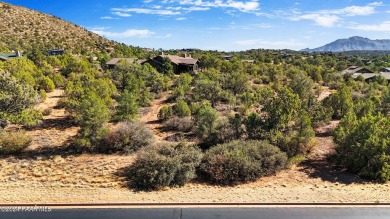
[22, 29]
[355, 43]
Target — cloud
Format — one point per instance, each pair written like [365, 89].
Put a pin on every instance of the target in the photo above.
[376, 4]
[243, 6]
[181, 19]
[329, 18]
[324, 20]
[126, 34]
[146, 11]
[270, 44]
[108, 18]
[121, 14]
[355, 11]
[385, 26]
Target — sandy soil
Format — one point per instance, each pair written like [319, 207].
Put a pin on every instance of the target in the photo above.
[47, 173]
[56, 128]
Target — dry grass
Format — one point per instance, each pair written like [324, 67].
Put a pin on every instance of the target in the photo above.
[21, 28]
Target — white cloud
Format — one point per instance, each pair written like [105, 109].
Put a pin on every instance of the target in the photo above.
[324, 20]
[243, 6]
[376, 4]
[329, 18]
[181, 19]
[121, 14]
[385, 26]
[270, 44]
[356, 11]
[126, 34]
[108, 18]
[146, 11]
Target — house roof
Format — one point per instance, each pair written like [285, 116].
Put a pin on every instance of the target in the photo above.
[364, 75]
[115, 61]
[355, 69]
[386, 75]
[180, 60]
[6, 56]
[384, 70]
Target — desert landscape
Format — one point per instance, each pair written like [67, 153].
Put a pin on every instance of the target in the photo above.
[47, 174]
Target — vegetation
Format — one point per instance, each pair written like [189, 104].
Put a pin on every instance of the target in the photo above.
[248, 117]
[127, 137]
[13, 142]
[164, 166]
[241, 161]
[363, 146]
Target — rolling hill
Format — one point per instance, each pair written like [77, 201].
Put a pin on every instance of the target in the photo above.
[22, 29]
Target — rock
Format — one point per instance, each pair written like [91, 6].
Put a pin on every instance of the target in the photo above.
[58, 159]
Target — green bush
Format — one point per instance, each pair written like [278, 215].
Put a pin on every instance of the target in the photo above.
[43, 95]
[181, 109]
[164, 165]
[363, 146]
[175, 123]
[57, 79]
[165, 113]
[241, 161]
[127, 137]
[13, 142]
[47, 84]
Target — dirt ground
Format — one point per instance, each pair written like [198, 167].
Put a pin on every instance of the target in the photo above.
[47, 173]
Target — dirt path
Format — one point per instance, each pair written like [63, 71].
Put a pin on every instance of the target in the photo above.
[326, 91]
[151, 120]
[56, 128]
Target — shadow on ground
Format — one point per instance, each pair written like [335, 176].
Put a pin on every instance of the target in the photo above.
[326, 171]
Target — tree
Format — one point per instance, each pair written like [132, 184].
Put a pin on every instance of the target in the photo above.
[302, 141]
[363, 147]
[128, 108]
[281, 109]
[208, 90]
[237, 82]
[205, 118]
[253, 126]
[181, 109]
[341, 102]
[92, 114]
[16, 102]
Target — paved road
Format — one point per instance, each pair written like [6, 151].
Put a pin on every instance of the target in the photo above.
[208, 213]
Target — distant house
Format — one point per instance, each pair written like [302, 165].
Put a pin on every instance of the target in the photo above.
[384, 70]
[113, 62]
[355, 69]
[227, 57]
[248, 60]
[180, 64]
[355, 72]
[55, 52]
[7, 56]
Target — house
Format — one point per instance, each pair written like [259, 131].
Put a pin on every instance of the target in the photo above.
[384, 70]
[355, 69]
[55, 52]
[180, 64]
[7, 56]
[113, 62]
[248, 61]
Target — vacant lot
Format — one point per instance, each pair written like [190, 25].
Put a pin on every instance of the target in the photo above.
[47, 173]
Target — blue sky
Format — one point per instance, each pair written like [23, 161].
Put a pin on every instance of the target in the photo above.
[229, 25]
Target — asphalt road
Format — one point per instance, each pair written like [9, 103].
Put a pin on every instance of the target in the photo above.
[208, 213]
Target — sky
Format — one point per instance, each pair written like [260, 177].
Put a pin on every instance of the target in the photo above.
[224, 25]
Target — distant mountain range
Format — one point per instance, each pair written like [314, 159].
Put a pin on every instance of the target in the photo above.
[355, 43]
